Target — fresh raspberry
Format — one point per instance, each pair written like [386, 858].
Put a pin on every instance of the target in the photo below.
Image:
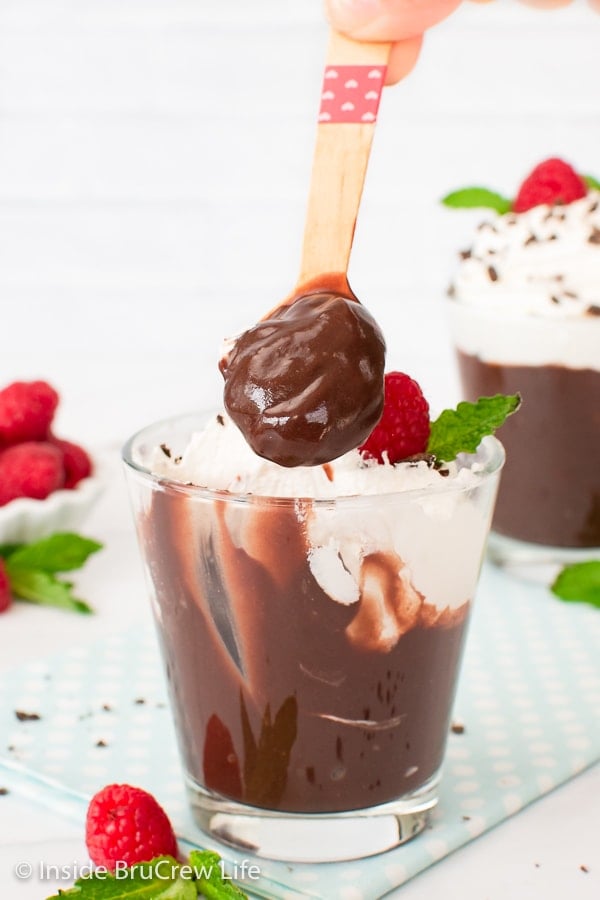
[5, 591]
[31, 469]
[76, 461]
[552, 181]
[26, 411]
[126, 824]
[403, 429]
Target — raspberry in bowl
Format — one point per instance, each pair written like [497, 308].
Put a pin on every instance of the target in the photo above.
[47, 484]
[525, 316]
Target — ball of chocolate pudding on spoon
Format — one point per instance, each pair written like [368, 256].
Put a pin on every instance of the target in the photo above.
[305, 384]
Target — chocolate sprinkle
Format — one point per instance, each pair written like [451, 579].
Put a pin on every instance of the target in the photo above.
[594, 310]
[457, 728]
[166, 450]
[530, 240]
[27, 717]
[4, 791]
[584, 869]
[465, 254]
[139, 701]
[101, 743]
[107, 707]
[220, 419]
[594, 237]
[492, 273]
[554, 299]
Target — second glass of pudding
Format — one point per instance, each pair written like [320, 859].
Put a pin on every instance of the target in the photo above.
[312, 640]
[525, 317]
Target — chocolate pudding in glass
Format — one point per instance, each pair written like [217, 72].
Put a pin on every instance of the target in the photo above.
[312, 622]
[525, 316]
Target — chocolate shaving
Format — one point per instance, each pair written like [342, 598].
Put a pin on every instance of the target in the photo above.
[166, 450]
[584, 869]
[594, 206]
[552, 237]
[571, 294]
[451, 292]
[220, 419]
[107, 707]
[4, 791]
[492, 273]
[594, 237]
[594, 310]
[457, 728]
[554, 298]
[530, 240]
[101, 743]
[465, 254]
[27, 717]
[139, 701]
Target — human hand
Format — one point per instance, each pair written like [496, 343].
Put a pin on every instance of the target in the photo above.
[403, 22]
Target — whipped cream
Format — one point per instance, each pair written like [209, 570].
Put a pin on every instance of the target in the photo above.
[219, 458]
[528, 290]
[442, 529]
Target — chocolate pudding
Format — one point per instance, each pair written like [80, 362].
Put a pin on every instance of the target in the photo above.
[305, 384]
[283, 698]
[550, 488]
[524, 317]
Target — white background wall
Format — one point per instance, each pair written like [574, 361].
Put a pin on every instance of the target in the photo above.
[154, 163]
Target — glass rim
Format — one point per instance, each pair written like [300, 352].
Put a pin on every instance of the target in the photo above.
[490, 455]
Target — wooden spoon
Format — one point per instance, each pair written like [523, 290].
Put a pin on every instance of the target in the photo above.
[353, 81]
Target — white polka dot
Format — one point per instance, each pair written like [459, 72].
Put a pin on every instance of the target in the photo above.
[498, 751]
[565, 714]
[579, 743]
[472, 803]
[436, 848]
[529, 717]
[541, 747]
[57, 752]
[466, 787]
[544, 762]
[455, 752]
[350, 892]
[94, 770]
[497, 734]
[305, 876]
[476, 825]
[503, 765]
[509, 781]
[512, 803]
[462, 770]
[396, 873]
[545, 782]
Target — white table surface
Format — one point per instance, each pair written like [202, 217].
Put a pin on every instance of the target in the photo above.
[154, 159]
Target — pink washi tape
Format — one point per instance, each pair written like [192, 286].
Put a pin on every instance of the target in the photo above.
[351, 94]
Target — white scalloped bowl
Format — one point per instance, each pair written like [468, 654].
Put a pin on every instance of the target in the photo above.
[26, 519]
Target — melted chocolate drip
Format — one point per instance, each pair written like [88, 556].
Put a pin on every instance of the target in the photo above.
[305, 385]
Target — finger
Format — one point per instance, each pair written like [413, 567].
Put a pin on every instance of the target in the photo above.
[402, 59]
[546, 4]
[386, 20]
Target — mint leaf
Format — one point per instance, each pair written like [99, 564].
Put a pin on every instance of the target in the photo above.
[160, 879]
[579, 583]
[209, 877]
[43, 588]
[592, 183]
[7, 550]
[60, 552]
[460, 430]
[477, 197]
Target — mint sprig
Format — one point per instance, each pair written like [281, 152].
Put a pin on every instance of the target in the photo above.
[206, 866]
[461, 430]
[477, 198]
[160, 879]
[163, 878]
[579, 583]
[592, 183]
[32, 569]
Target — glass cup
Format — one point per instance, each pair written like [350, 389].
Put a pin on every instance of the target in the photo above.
[312, 648]
[548, 508]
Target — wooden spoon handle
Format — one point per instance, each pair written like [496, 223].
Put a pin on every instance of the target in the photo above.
[352, 84]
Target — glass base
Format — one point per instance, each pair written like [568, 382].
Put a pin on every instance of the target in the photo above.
[308, 837]
[535, 562]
